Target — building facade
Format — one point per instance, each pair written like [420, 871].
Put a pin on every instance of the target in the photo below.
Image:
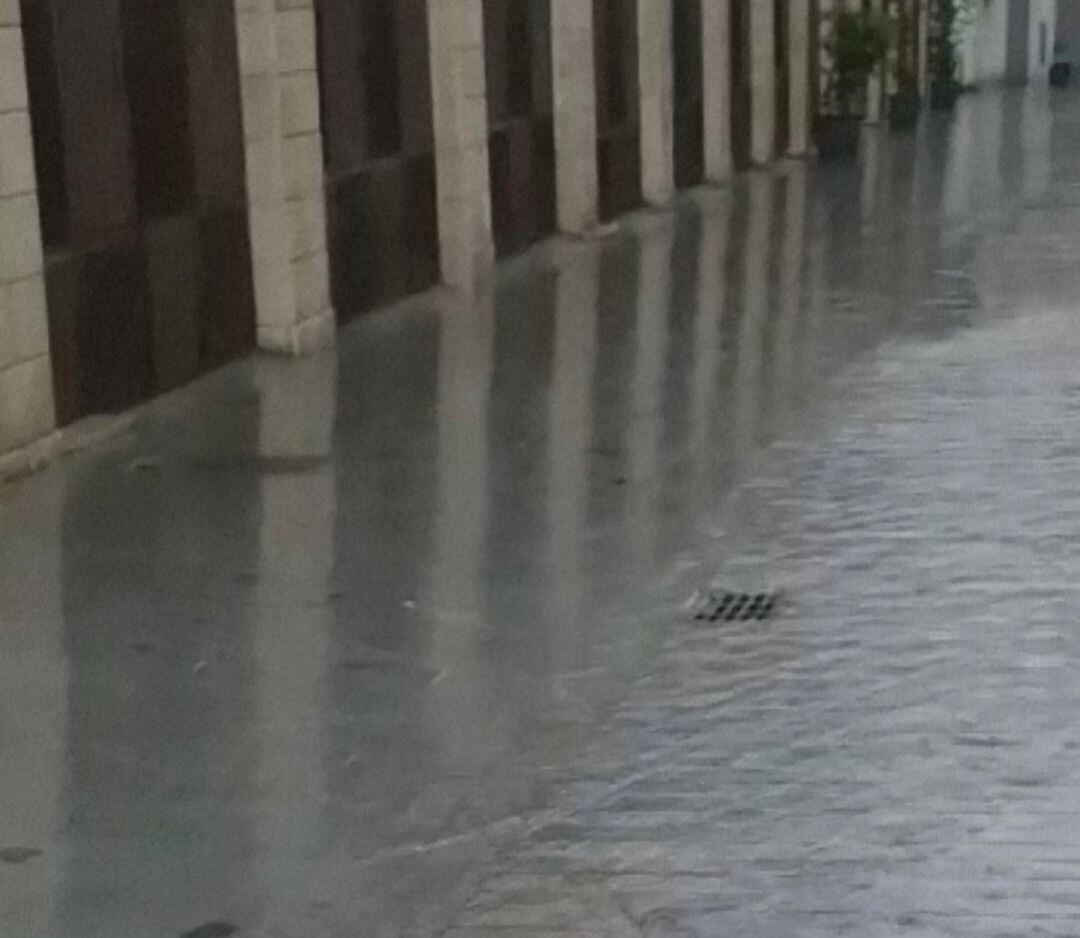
[1008, 40]
[180, 187]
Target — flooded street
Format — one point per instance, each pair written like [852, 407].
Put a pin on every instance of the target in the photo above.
[399, 640]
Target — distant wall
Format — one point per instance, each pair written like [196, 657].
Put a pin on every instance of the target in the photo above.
[984, 39]
[983, 42]
[1043, 27]
[1068, 30]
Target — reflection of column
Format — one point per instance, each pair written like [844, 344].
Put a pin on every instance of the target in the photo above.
[574, 79]
[26, 390]
[656, 83]
[791, 283]
[570, 435]
[654, 292]
[291, 623]
[763, 80]
[33, 715]
[459, 85]
[799, 80]
[960, 164]
[712, 303]
[1036, 124]
[870, 153]
[283, 156]
[716, 78]
[455, 592]
[755, 294]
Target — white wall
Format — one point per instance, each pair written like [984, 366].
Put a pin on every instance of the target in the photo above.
[984, 40]
[1043, 14]
[982, 47]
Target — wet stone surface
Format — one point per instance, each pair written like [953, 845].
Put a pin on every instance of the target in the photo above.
[382, 647]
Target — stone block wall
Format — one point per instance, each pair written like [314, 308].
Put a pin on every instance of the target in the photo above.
[284, 158]
[26, 392]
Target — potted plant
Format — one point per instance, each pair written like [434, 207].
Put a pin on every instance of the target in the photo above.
[905, 104]
[856, 46]
[945, 86]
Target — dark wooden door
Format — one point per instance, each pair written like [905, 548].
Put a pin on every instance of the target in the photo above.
[379, 150]
[617, 106]
[521, 121]
[689, 93]
[138, 146]
[740, 83]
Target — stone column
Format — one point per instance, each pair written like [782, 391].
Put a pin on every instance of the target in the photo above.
[459, 86]
[27, 411]
[574, 78]
[716, 75]
[924, 47]
[763, 80]
[875, 84]
[656, 69]
[799, 80]
[283, 157]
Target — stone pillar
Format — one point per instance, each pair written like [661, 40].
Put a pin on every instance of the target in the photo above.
[574, 78]
[459, 86]
[924, 47]
[283, 157]
[799, 81]
[656, 79]
[875, 83]
[716, 75]
[763, 80]
[27, 410]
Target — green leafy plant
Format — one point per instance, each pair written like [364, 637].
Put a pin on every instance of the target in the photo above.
[856, 46]
[950, 16]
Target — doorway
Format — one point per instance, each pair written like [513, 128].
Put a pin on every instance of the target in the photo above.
[521, 125]
[139, 149]
[689, 93]
[378, 150]
[618, 121]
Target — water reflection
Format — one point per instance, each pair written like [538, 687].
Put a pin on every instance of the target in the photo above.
[317, 636]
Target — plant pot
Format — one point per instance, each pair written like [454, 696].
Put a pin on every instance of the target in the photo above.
[1060, 74]
[943, 98]
[904, 107]
[837, 137]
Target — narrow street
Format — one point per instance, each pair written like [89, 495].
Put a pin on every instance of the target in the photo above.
[399, 641]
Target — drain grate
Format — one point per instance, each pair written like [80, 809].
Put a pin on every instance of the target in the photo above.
[737, 607]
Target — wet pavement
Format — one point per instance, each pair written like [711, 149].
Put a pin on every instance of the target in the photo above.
[399, 640]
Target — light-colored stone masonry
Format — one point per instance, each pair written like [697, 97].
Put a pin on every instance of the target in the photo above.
[656, 80]
[27, 411]
[284, 160]
[716, 75]
[459, 83]
[762, 81]
[799, 85]
[573, 68]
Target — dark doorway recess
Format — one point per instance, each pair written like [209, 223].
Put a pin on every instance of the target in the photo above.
[138, 146]
[520, 121]
[740, 81]
[689, 93]
[379, 149]
[617, 105]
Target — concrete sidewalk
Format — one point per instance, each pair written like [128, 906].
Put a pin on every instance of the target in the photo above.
[395, 642]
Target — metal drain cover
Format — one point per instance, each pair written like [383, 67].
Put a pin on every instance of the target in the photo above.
[724, 606]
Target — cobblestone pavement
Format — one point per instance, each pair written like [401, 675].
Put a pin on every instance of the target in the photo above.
[398, 641]
[898, 752]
